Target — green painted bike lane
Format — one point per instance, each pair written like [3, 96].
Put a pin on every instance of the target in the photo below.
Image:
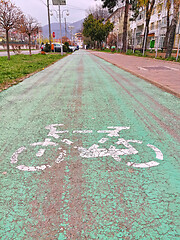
[86, 186]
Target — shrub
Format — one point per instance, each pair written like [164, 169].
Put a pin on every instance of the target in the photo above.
[47, 47]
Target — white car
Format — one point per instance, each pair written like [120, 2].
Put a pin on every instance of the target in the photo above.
[73, 48]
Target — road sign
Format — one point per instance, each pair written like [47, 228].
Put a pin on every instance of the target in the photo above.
[59, 2]
[53, 34]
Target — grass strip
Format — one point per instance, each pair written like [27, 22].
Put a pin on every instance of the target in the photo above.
[20, 66]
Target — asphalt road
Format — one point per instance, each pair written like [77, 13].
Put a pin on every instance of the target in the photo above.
[89, 151]
[3, 54]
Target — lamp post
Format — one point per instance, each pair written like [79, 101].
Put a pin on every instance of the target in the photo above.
[67, 14]
[59, 3]
[49, 23]
[60, 29]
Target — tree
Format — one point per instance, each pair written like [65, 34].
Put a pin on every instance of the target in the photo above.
[168, 6]
[10, 17]
[172, 28]
[112, 40]
[98, 12]
[147, 5]
[29, 26]
[96, 29]
[110, 4]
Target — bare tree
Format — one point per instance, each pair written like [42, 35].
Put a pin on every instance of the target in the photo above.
[29, 26]
[112, 40]
[10, 17]
[98, 12]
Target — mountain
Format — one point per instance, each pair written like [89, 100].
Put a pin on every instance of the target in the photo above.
[55, 27]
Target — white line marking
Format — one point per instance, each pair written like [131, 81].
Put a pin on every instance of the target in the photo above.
[32, 169]
[14, 158]
[61, 157]
[67, 141]
[175, 69]
[141, 68]
[40, 152]
[134, 141]
[114, 132]
[159, 154]
[143, 165]
[46, 143]
[82, 131]
[53, 130]
[103, 140]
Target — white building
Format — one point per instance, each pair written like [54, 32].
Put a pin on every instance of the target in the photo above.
[157, 26]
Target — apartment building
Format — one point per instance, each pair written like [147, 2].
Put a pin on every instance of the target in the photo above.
[79, 40]
[157, 26]
[117, 18]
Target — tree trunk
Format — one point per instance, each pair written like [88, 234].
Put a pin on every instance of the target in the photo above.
[168, 29]
[172, 28]
[148, 17]
[29, 35]
[170, 43]
[7, 43]
[125, 26]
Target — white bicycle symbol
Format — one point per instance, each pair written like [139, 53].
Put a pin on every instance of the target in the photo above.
[94, 151]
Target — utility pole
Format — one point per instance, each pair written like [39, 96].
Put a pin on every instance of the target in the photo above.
[60, 29]
[49, 22]
[177, 54]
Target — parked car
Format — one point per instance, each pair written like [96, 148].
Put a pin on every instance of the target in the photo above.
[57, 47]
[72, 48]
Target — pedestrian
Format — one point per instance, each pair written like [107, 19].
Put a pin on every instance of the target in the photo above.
[52, 47]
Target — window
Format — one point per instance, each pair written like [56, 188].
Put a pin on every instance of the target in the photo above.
[152, 26]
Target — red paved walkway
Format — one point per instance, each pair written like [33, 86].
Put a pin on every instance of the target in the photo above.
[165, 75]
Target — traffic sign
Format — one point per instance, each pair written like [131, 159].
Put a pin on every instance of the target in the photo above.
[59, 2]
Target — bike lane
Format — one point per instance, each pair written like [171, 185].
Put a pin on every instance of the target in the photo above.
[93, 191]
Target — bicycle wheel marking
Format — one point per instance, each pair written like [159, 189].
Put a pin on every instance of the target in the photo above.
[32, 169]
[159, 154]
[143, 165]
[14, 158]
[94, 151]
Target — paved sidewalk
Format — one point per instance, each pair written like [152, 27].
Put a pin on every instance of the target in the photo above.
[26, 52]
[165, 75]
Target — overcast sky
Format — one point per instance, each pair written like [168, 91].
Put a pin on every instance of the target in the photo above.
[38, 9]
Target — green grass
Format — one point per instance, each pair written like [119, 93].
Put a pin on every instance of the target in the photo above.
[19, 66]
[138, 53]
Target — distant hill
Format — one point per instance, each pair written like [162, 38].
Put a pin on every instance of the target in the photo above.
[56, 28]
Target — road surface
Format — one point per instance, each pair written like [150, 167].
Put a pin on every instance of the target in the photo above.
[89, 151]
[163, 74]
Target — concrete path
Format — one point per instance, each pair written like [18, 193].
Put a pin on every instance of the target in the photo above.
[165, 75]
[3, 54]
[89, 151]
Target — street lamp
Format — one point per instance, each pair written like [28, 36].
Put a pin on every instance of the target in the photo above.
[67, 14]
[59, 3]
[71, 31]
